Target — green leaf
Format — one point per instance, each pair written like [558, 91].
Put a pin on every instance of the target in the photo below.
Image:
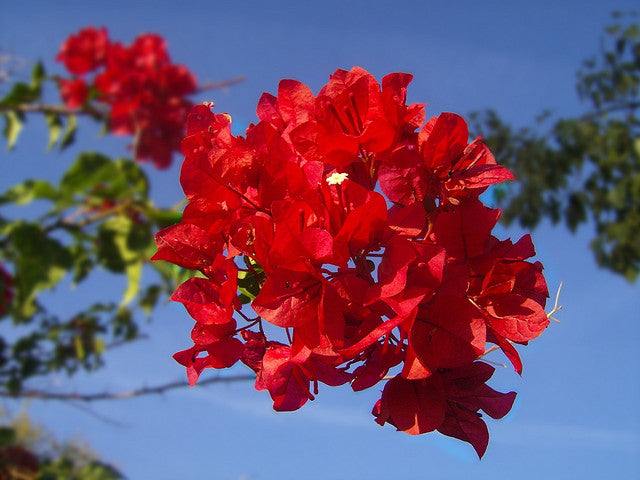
[123, 325]
[97, 175]
[69, 134]
[89, 170]
[99, 346]
[28, 191]
[55, 128]
[149, 298]
[248, 285]
[163, 218]
[131, 179]
[40, 264]
[21, 93]
[122, 249]
[37, 76]
[79, 348]
[100, 471]
[134, 274]
[12, 127]
[113, 252]
[82, 263]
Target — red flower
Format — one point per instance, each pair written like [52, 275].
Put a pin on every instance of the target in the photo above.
[289, 221]
[145, 94]
[448, 401]
[73, 92]
[455, 167]
[85, 51]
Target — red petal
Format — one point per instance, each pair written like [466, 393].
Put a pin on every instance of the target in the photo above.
[516, 317]
[188, 246]
[464, 232]
[442, 140]
[201, 298]
[413, 406]
[288, 298]
[295, 102]
[287, 384]
[448, 333]
[225, 353]
[466, 426]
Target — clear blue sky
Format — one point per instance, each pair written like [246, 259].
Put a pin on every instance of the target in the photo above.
[576, 415]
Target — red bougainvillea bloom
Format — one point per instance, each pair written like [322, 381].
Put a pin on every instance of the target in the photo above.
[340, 241]
[144, 92]
[85, 51]
[73, 92]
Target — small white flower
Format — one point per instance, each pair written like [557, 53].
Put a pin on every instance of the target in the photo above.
[208, 104]
[336, 178]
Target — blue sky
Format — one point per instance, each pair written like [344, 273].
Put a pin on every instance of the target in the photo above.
[576, 414]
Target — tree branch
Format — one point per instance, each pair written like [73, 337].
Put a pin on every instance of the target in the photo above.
[222, 84]
[92, 397]
[55, 110]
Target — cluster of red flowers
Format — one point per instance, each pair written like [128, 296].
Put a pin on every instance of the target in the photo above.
[6, 290]
[144, 91]
[359, 233]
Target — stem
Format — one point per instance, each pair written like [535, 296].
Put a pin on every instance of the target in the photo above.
[221, 84]
[253, 321]
[55, 110]
[238, 330]
[90, 397]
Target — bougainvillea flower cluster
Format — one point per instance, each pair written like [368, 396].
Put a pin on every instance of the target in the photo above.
[343, 241]
[145, 92]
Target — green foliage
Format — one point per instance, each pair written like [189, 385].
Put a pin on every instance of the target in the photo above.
[20, 94]
[24, 93]
[98, 217]
[65, 468]
[585, 169]
[40, 263]
[250, 281]
[12, 127]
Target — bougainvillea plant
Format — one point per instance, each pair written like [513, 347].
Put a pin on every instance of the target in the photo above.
[144, 93]
[97, 215]
[343, 241]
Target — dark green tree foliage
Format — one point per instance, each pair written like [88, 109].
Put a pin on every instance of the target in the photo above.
[583, 170]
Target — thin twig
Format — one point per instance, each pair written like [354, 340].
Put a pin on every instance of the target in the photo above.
[91, 397]
[90, 411]
[222, 84]
[55, 110]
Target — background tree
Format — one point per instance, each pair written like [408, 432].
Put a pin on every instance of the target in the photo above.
[582, 170]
